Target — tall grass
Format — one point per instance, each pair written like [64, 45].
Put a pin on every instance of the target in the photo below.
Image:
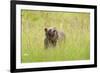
[75, 26]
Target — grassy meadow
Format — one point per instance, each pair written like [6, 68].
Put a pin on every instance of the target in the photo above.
[76, 27]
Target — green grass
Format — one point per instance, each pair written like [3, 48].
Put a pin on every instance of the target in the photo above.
[75, 26]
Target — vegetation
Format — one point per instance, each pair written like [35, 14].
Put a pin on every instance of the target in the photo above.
[76, 27]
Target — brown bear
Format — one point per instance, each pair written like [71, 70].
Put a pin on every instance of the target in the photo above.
[52, 36]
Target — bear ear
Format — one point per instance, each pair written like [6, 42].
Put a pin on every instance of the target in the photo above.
[45, 29]
[54, 31]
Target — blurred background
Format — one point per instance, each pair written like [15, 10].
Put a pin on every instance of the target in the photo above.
[75, 25]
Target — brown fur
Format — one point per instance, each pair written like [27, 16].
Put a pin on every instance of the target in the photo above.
[52, 36]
